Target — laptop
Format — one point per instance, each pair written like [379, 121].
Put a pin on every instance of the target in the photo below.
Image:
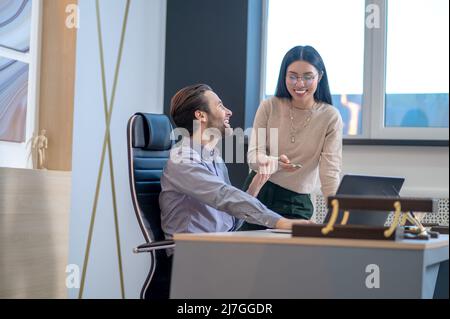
[367, 186]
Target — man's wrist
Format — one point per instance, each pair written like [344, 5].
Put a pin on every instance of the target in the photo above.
[282, 223]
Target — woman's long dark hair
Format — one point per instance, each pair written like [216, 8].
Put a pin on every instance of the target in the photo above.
[310, 55]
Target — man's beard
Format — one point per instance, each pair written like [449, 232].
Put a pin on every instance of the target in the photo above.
[224, 131]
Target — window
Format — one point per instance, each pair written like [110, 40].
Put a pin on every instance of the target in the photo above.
[387, 61]
[417, 64]
[294, 22]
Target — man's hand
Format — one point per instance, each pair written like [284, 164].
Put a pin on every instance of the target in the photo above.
[267, 166]
[257, 183]
[284, 223]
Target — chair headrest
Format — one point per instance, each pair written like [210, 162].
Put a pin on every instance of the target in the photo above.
[152, 132]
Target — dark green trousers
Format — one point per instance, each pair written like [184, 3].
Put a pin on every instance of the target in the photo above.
[285, 202]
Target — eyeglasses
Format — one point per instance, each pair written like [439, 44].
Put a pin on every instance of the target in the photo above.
[307, 79]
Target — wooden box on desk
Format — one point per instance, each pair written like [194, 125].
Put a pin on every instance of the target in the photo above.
[346, 231]
[340, 229]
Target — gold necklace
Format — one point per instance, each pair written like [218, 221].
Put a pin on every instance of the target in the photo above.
[293, 130]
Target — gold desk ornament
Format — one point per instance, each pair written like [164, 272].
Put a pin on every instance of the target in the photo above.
[398, 211]
[334, 215]
[417, 227]
[345, 218]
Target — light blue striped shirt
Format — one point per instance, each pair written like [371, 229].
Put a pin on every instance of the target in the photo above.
[197, 195]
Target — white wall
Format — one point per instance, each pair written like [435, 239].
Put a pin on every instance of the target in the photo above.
[426, 169]
[140, 88]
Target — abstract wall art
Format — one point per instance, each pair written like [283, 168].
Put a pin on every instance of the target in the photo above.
[15, 30]
[15, 24]
[13, 100]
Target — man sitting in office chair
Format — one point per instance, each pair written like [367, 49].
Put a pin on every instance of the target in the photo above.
[197, 195]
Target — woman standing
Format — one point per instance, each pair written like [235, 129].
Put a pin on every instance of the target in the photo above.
[309, 136]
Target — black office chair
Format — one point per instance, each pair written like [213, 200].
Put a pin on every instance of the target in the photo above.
[149, 143]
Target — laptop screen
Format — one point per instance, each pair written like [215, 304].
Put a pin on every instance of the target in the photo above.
[370, 185]
[361, 185]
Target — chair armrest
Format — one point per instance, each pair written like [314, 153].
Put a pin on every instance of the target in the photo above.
[156, 245]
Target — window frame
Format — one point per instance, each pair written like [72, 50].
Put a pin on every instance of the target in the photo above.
[374, 87]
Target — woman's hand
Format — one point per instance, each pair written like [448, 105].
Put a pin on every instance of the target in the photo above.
[270, 164]
[286, 164]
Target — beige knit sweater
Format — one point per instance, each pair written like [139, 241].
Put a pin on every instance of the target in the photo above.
[317, 146]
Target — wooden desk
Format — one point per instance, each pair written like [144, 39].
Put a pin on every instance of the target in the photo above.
[263, 264]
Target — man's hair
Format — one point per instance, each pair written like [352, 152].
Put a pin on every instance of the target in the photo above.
[186, 102]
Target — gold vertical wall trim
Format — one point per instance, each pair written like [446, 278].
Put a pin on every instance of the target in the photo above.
[108, 142]
[106, 139]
